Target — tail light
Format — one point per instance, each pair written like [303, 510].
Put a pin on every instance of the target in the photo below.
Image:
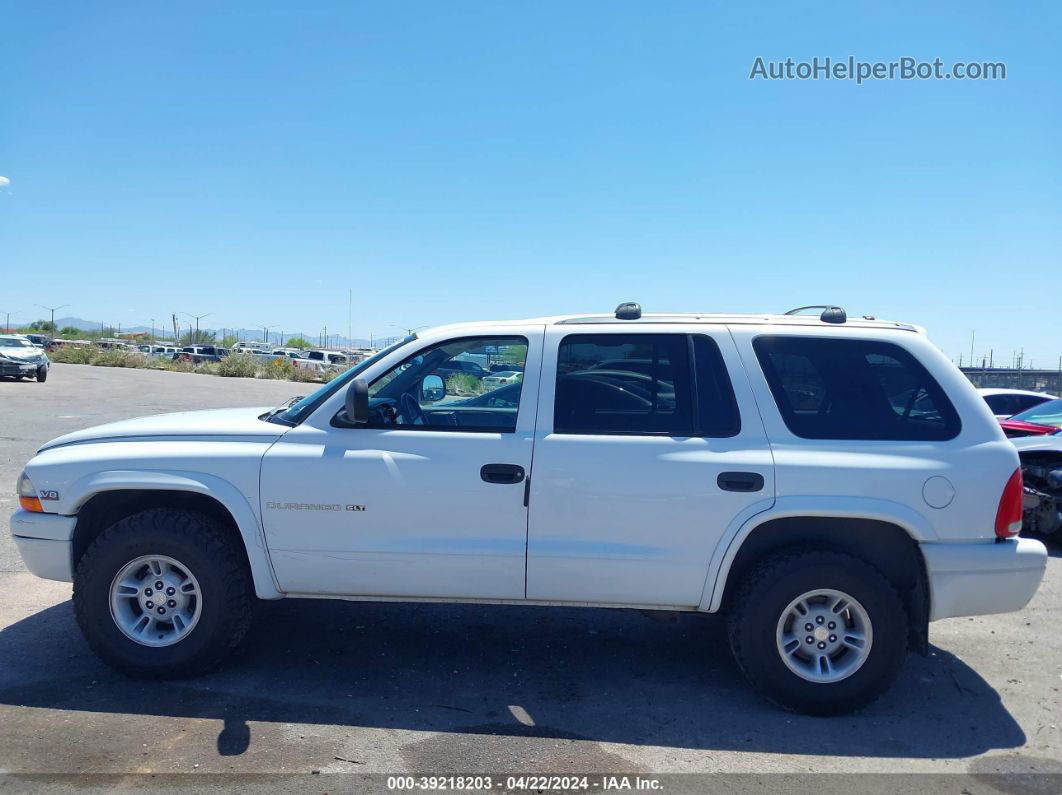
[1008, 516]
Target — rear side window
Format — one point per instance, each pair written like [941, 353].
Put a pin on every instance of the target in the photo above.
[643, 384]
[854, 389]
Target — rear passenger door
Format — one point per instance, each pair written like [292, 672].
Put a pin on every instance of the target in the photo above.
[642, 461]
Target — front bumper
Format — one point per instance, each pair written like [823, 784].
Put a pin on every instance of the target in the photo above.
[20, 368]
[983, 578]
[45, 542]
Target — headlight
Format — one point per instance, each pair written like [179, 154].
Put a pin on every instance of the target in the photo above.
[27, 495]
[6, 358]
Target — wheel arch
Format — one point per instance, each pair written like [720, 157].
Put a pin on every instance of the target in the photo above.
[108, 497]
[890, 545]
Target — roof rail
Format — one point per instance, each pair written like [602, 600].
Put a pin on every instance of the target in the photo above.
[830, 313]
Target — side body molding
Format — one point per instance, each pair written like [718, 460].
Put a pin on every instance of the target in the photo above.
[246, 517]
[916, 525]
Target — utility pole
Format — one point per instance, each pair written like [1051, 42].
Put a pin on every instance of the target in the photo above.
[7, 324]
[197, 317]
[52, 310]
[973, 336]
[265, 333]
[350, 305]
[151, 337]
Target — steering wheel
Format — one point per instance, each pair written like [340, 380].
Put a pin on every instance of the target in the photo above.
[411, 411]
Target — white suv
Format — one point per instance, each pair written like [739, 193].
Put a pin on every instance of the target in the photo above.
[833, 485]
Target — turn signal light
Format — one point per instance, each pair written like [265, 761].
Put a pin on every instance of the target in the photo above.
[30, 504]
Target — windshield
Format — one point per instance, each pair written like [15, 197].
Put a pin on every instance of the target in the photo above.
[1048, 414]
[8, 342]
[303, 408]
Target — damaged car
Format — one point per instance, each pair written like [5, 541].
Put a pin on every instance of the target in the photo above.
[1037, 433]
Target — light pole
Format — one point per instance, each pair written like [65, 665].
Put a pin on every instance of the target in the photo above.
[7, 323]
[197, 317]
[52, 310]
[151, 339]
[265, 333]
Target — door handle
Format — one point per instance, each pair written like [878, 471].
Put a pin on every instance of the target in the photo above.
[740, 481]
[502, 473]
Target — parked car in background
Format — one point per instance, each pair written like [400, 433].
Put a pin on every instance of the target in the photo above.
[1037, 433]
[159, 351]
[504, 378]
[506, 367]
[38, 340]
[289, 355]
[460, 367]
[200, 353]
[19, 358]
[55, 345]
[1043, 419]
[329, 358]
[1008, 402]
[252, 347]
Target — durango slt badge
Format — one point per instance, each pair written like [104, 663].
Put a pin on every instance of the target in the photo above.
[312, 506]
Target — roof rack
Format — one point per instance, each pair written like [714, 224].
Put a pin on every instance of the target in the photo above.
[830, 313]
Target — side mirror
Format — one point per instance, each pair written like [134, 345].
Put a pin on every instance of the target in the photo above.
[432, 389]
[357, 401]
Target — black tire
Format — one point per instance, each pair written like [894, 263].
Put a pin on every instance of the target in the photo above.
[769, 589]
[207, 551]
[42, 375]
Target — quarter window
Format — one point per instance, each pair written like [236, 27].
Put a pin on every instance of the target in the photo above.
[854, 389]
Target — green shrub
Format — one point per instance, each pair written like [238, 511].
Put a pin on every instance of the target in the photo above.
[238, 365]
[279, 369]
[303, 376]
[73, 354]
[116, 357]
[464, 385]
[179, 366]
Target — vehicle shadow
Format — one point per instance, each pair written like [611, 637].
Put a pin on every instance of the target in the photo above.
[603, 675]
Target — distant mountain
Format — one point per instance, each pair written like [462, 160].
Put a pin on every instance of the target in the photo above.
[252, 334]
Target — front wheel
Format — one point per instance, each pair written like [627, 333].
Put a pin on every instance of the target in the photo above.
[42, 375]
[818, 631]
[163, 594]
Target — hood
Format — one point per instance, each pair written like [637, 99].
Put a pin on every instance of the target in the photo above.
[20, 353]
[214, 423]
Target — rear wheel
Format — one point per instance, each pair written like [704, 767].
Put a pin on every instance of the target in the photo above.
[163, 594]
[818, 631]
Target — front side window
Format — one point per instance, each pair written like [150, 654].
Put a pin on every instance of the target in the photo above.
[644, 384]
[443, 387]
[854, 389]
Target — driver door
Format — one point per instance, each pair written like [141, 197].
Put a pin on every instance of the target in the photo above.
[427, 500]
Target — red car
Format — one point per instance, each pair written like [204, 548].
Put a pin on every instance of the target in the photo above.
[1040, 420]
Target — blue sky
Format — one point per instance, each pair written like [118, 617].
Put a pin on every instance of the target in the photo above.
[460, 160]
